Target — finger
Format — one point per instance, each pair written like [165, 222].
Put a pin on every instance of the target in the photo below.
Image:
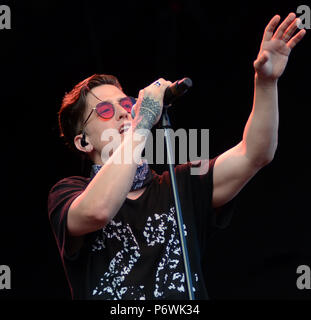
[162, 81]
[291, 29]
[136, 106]
[165, 84]
[270, 28]
[284, 25]
[293, 41]
[261, 60]
[160, 85]
[140, 97]
[157, 84]
[141, 93]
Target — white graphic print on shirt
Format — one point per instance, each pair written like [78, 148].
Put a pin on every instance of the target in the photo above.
[159, 229]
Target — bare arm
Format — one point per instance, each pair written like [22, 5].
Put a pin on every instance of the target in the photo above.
[234, 168]
[105, 194]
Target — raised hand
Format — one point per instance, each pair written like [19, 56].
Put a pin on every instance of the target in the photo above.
[276, 47]
[150, 104]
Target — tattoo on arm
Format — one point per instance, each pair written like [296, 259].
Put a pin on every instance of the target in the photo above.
[148, 113]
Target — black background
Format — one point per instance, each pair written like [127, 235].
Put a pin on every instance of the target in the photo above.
[53, 45]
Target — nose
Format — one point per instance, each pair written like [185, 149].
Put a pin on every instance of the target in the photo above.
[121, 113]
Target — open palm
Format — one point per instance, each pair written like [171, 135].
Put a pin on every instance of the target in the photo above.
[276, 47]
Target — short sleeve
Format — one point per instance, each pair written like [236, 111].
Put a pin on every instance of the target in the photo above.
[203, 184]
[199, 176]
[60, 198]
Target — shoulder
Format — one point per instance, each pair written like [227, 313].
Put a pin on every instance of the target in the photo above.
[199, 168]
[190, 169]
[70, 182]
[65, 191]
[66, 187]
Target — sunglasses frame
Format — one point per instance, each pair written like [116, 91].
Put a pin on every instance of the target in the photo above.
[95, 108]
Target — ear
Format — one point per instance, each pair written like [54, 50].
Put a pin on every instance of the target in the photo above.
[77, 141]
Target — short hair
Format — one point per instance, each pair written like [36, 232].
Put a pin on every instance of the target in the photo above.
[70, 115]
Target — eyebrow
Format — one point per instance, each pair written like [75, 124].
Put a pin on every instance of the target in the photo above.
[93, 94]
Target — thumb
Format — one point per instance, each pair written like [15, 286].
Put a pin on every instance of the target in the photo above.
[261, 60]
[135, 108]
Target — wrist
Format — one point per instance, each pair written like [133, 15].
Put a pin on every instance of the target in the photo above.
[148, 114]
[141, 126]
[144, 122]
[265, 82]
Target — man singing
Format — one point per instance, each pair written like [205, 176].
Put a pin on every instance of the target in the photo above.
[116, 230]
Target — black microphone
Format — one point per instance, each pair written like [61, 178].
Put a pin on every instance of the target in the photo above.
[173, 91]
[176, 90]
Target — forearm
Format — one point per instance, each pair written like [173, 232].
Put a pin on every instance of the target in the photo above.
[261, 130]
[105, 194]
[107, 191]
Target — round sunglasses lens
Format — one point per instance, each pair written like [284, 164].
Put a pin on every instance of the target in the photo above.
[127, 103]
[105, 110]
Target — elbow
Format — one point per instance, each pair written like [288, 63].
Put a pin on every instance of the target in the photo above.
[99, 215]
[270, 155]
[96, 214]
[265, 160]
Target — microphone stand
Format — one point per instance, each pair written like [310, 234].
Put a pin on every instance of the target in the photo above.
[166, 125]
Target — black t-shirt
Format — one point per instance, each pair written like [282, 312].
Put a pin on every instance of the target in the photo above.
[137, 256]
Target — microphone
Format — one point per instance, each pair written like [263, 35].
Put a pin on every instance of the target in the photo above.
[176, 90]
[173, 91]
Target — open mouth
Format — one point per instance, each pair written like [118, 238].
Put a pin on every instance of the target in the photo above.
[125, 127]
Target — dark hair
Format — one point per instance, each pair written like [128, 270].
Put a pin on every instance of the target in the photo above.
[70, 115]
